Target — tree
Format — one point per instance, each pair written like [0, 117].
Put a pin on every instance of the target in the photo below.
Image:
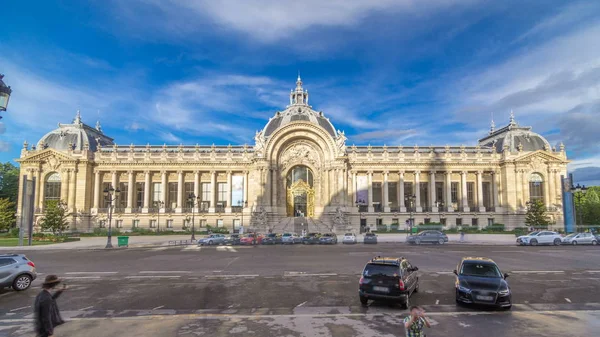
[536, 214]
[55, 217]
[9, 182]
[7, 214]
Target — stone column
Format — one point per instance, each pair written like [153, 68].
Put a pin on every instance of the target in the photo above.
[64, 186]
[213, 192]
[418, 207]
[72, 190]
[480, 191]
[464, 195]
[448, 201]
[386, 194]
[196, 185]
[432, 192]
[97, 189]
[344, 182]
[245, 196]
[525, 188]
[519, 189]
[547, 188]
[114, 180]
[558, 188]
[551, 189]
[179, 191]
[228, 200]
[38, 189]
[370, 195]
[274, 181]
[130, 190]
[495, 194]
[146, 191]
[354, 188]
[165, 187]
[401, 192]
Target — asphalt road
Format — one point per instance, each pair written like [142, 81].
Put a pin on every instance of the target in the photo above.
[302, 291]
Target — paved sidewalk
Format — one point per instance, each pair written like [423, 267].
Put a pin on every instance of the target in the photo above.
[163, 240]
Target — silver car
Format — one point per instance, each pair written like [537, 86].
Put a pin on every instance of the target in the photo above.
[580, 239]
[16, 271]
[434, 237]
[290, 238]
[212, 239]
[349, 238]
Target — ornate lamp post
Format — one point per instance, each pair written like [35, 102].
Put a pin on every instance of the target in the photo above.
[194, 201]
[5, 92]
[158, 204]
[111, 196]
[440, 205]
[242, 204]
[578, 192]
[410, 200]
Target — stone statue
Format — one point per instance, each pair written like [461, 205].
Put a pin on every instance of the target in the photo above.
[339, 219]
[261, 217]
[259, 142]
[340, 141]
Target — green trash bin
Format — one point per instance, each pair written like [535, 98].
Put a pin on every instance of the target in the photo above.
[123, 241]
[415, 230]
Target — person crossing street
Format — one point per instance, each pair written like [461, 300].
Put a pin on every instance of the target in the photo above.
[46, 313]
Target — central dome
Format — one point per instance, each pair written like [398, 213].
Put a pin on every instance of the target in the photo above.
[298, 110]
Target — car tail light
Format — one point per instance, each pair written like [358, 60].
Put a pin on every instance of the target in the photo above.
[361, 281]
[401, 284]
[31, 264]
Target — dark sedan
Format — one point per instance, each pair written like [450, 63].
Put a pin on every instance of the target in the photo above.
[328, 239]
[233, 240]
[434, 237]
[479, 281]
[370, 238]
[311, 239]
[271, 239]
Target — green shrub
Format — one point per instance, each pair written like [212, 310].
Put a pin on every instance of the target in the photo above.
[394, 227]
[431, 226]
[382, 228]
[497, 227]
[14, 232]
[217, 230]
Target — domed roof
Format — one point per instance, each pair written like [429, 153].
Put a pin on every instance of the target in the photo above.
[298, 110]
[515, 138]
[75, 136]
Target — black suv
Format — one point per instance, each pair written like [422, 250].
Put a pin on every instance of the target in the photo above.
[388, 279]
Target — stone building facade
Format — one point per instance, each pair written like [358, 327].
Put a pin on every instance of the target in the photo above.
[299, 172]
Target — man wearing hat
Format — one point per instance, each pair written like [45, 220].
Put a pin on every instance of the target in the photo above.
[46, 313]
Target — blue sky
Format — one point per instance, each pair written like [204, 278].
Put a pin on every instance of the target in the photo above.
[386, 72]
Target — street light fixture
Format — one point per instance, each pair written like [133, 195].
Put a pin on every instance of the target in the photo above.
[194, 201]
[410, 199]
[440, 206]
[111, 196]
[5, 92]
[242, 204]
[158, 204]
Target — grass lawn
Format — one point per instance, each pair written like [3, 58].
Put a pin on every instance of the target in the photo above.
[13, 242]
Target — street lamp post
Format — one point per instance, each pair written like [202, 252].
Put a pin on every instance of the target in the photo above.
[194, 201]
[410, 200]
[440, 206]
[578, 192]
[158, 204]
[242, 204]
[5, 92]
[111, 196]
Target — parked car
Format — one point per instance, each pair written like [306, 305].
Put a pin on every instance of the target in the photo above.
[434, 237]
[271, 239]
[479, 281]
[311, 239]
[349, 238]
[248, 239]
[290, 238]
[16, 271]
[328, 239]
[580, 239]
[232, 240]
[540, 238]
[388, 279]
[370, 238]
[212, 239]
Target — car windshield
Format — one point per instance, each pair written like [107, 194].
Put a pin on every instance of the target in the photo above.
[571, 236]
[480, 270]
[272, 235]
[370, 234]
[348, 234]
[380, 270]
[328, 235]
[287, 235]
[534, 233]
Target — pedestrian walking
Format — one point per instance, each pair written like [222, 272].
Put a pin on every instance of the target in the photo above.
[462, 236]
[415, 323]
[46, 313]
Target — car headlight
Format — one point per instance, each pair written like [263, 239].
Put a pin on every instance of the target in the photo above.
[464, 289]
[504, 292]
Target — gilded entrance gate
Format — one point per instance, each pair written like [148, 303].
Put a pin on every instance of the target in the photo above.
[300, 190]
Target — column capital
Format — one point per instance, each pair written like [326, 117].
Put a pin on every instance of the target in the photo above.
[464, 173]
[246, 172]
[386, 172]
[196, 171]
[130, 172]
[433, 172]
[446, 173]
[180, 172]
[97, 171]
[147, 172]
[401, 173]
[163, 172]
[370, 172]
[479, 172]
[417, 172]
[213, 172]
[113, 172]
[229, 172]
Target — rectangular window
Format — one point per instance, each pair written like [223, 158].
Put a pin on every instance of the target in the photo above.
[188, 188]
[459, 221]
[377, 190]
[122, 201]
[471, 194]
[487, 195]
[139, 194]
[443, 221]
[475, 222]
[439, 192]
[222, 193]
[454, 192]
[424, 195]
[170, 223]
[219, 222]
[206, 192]
[536, 191]
[490, 221]
[171, 196]
[236, 223]
[102, 223]
[427, 220]
[152, 223]
[119, 224]
[408, 193]
[202, 223]
[395, 221]
[392, 193]
[105, 199]
[135, 223]
[156, 192]
[379, 221]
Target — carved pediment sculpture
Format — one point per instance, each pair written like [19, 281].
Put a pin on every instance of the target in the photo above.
[299, 152]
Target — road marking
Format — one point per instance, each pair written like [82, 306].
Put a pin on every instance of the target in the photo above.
[437, 302]
[464, 325]
[226, 248]
[90, 272]
[592, 271]
[83, 277]
[165, 272]
[192, 248]
[231, 276]
[537, 271]
[21, 308]
[444, 272]
[302, 275]
[568, 300]
[152, 276]
[162, 306]
[301, 304]
[91, 306]
[159, 249]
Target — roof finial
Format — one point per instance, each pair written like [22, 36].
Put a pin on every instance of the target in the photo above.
[98, 126]
[299, 82]
[512, 117]
[492, 125]
[77, 119]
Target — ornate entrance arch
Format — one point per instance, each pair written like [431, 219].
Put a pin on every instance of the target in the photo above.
[300, 196]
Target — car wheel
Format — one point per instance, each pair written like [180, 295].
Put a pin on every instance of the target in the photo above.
[594, 242]
[557, 242]
[22, 282]
[533, 242]
[574, 243]
[210, 243]
[441, 241]
[406, 303]
[418, 241]
[364, 301]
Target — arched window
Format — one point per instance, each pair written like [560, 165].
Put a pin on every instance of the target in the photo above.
[300, 172]
[536, 187]
[52, 187]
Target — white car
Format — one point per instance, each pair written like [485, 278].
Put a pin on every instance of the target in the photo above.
[580, 239]
[540, 238]
[349, 238]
